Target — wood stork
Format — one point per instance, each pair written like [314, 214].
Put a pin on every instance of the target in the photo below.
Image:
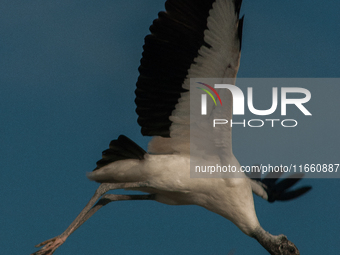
[191, 39]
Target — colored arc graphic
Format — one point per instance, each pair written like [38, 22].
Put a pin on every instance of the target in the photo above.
[213, 90]
[207, 91]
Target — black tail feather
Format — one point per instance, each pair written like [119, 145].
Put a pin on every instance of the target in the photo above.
[240, 29]
[120, 149]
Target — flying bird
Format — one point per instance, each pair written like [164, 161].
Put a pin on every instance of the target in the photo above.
[191, 39]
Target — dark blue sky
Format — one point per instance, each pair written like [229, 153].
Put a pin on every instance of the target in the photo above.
[68, 73]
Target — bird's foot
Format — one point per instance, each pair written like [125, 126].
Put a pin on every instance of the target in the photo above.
[279, 190]
[49, 246]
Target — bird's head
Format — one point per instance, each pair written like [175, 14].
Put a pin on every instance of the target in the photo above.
[286, 247]
[276, 245]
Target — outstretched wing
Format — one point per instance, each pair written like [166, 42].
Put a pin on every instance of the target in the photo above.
[191, 39]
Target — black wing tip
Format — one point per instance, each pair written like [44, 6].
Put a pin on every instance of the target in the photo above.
[280, 190]
[294, 194]
[240, 30]
[238, 4]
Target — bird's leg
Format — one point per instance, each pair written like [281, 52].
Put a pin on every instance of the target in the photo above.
[52, 244]
[107, 198]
